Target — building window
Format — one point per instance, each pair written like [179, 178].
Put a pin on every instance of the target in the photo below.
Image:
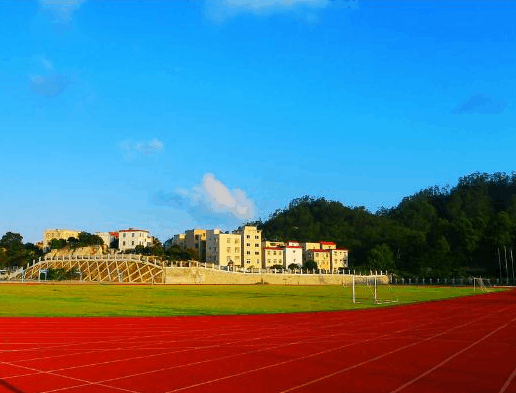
[257, 253]
[248, 236]
[123, 243]
[229, 240]
[257, 237]
[132, 243]
[132, 234]
[237, 249]
[256, 245]
[248, 244]
[228, 249]
[274, 252]
[248, 261]
[124, 234]
[248, 252]
[268, 253]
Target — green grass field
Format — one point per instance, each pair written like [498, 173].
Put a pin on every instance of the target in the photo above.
[124, 300]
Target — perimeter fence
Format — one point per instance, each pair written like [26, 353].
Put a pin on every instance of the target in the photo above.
[452, 281]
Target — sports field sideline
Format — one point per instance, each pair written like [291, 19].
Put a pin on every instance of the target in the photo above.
[463, 344]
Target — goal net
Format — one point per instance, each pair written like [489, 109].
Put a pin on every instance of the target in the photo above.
[482, 284]
[372, 289]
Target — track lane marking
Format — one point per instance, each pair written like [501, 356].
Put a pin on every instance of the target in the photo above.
[388, 353]
[225, 357]
[508, 382]
[316, 354]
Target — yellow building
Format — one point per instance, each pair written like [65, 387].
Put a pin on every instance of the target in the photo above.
[196, 239]
[309, 246]
[223, 249]
[180, 241]
[267, 243]
[327, 245]
[339, 258]
[50, 234]
[251, 246]
[321, 257]
[272, 256]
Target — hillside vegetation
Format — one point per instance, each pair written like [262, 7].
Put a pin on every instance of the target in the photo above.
[439, 231]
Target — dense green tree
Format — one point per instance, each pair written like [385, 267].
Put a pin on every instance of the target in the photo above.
[380, 257]
[438, 230]
[310, 265]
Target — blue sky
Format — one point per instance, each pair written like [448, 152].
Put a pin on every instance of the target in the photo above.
[170, 115]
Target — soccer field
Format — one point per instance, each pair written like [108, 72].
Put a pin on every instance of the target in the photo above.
[142, 300]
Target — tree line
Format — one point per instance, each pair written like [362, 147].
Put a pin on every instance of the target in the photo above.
[439, 231]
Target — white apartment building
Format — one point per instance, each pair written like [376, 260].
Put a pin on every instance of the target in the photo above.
[292, 254]
[107, 237]
[251, 246]
[339, 258]
[128, 239]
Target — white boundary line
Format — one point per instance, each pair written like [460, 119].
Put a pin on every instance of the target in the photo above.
[308, 329]
[230, 356]
[508, 382]
[452, 357]
[388, 353]
[320, 353]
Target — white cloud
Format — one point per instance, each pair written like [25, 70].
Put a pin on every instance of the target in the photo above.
[211, 201]
[307, 11]
[49, 86]
[47, 64]
[60, 12]
[148, 148]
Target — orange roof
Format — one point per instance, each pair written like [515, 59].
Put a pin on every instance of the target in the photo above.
[273, 248]
[133, 230]
[328, 243]
[319, 250]
[293, 247]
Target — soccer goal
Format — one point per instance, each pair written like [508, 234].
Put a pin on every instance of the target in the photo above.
[370, 289]
[482, 284]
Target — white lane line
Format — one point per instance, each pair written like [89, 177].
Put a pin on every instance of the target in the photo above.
[232, 342]
[385, 354]
[452, 357]
[317, 354]
[508, 382]
[230, 356]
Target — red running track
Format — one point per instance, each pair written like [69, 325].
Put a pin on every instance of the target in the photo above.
[458, 345]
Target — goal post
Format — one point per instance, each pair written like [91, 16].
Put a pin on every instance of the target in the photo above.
[371, 289]
[482, 284]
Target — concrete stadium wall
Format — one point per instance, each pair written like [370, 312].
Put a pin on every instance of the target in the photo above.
[199, 275]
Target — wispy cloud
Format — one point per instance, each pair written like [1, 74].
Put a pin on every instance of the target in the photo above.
[60, 12]
[154, 146]
[46, 63]
[210, 202]
[308, 11]
[481, 103]
[49, 86]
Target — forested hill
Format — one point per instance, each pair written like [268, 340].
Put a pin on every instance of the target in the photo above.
[438, 231]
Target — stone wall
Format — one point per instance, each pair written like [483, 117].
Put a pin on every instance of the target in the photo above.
[80, 251]
[200, 275]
